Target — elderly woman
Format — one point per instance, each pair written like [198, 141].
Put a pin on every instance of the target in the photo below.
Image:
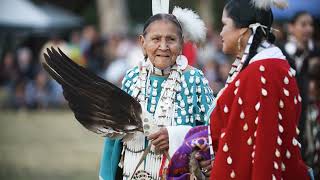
[253, 128]
[177, 95]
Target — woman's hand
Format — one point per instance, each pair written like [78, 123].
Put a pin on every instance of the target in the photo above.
[160, 140]
[205, 165]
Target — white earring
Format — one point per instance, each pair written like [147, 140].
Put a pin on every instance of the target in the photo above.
[182, 62]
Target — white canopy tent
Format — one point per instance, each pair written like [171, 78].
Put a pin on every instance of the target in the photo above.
[24, 14]
[22, 18]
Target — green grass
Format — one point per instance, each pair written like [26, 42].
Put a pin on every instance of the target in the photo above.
[47, 145]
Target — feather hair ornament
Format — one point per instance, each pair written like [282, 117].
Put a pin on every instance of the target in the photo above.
[160, 7]
[267, 4]
[193, 27]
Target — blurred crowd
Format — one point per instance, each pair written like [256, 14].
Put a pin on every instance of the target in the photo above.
[25, 85]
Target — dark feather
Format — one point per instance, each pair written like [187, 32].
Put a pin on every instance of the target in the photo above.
[97, 104]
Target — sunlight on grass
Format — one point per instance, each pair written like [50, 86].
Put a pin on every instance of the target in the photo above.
[47, 145]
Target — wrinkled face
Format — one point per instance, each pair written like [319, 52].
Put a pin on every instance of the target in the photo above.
[230, 35]
[303, 29]
[161, 43]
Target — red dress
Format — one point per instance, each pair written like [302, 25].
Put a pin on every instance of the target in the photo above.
[254, 125]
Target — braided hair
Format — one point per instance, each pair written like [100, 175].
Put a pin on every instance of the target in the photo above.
[243, 13]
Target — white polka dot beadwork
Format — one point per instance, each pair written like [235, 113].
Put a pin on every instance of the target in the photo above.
[286, 80]
[235, 91]
[288, 154]
[286, 92]
[264, 92]
[237, 84]
[274, 177]
[262, 68]
[222, 135]
[277, 153]
[279, 116]
[240, 102]
[225, 148]
[229, 160]
[283, 167]
[225, 109]
[242, 116]
[280, 128]
[281, 104]
[257, 106]
[249, 141]
[232, 174]
[245, 127]
[297, 131]
[263, 80]
[275, 165]
[279, 141]
[299, 98]
[294, 141]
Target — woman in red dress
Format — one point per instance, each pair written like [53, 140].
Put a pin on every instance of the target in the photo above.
[253, 128]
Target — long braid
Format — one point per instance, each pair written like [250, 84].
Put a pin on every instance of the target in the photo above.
[257, 39]
[260, 35]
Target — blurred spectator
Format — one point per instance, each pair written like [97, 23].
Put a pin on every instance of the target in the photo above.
[25, 63]
[89, 36]
[119, 65]
[135, 54]
[300, 43]
[17, 95]
[213, 62]
[312, 130]
[127, 54]
[74, 50]
[41, 92]
[297, 47]
[9, 72]
[96, 58]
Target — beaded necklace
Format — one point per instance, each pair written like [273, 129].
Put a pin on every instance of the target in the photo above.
[164, 111]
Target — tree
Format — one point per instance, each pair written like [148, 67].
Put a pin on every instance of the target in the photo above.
[112, 16]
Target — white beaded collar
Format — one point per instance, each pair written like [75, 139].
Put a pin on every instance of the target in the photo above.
[161, 72]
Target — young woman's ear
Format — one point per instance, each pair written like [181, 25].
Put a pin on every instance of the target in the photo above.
[142, 44]
[243, 31]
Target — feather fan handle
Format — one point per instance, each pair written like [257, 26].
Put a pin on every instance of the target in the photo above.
[160, 7]
[267, 4]
[193, 27]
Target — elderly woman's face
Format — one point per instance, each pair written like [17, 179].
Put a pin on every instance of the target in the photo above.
[162, 43]
[230, 35]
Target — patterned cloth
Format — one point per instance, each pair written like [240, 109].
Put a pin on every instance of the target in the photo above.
[195, 141]
[254, 125]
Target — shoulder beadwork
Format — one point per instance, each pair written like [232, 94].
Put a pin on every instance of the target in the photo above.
[130, 78]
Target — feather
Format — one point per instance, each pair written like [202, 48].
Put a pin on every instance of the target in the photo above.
[281, 4]
[165, 6]
[194, 166]
[267, 4]
[97, 104]
[160, 7]
[192, 26]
